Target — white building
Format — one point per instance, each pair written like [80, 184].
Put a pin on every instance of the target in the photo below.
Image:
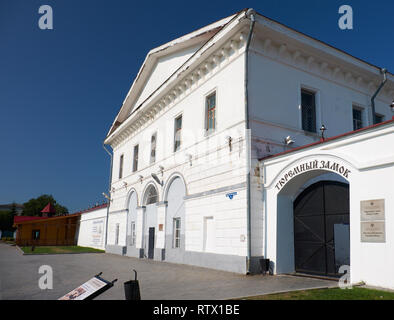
[187, 184]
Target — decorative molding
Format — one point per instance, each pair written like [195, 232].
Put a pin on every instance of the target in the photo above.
[182, 87]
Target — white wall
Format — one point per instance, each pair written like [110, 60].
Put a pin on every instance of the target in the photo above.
[164, 67]
[92, 229]
[212, 165]
[275, 82]
[371, 162]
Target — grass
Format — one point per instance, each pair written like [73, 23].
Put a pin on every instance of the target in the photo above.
[356, 293]
[59, 249]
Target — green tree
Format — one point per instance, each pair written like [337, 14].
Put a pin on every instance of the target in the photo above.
[6, 220]
[34, 206]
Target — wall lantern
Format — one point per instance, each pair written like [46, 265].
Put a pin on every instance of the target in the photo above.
[322, 129]
[156, 178]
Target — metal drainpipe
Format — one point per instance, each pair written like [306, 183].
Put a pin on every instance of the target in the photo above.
[109, 193]
[250, 14]
[383, 71]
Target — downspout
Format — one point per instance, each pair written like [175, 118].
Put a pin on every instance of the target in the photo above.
[251, 15]
[383, 71]
[109, 194]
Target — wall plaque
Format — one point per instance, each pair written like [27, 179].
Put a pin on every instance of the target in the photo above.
[373, 231]
[372, 210]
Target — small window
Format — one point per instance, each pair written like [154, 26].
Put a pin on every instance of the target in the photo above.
[210, 112]
[379, 118]
[153, 148]
[135, 158]
[121, 167]
[132, 239]
[308, 110]
[36, 234]
[150, 195]
[177, 233]
[357, 118]
[117, 234]
[177, 133]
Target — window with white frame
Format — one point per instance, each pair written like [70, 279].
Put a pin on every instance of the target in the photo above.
[153, 148]
[121, 166]
[210, 112]
[357, 118]
[308, 110]
[177, 133]
[379, 118]
[177, 233]
[135, 158]
[132, 238]
[117, 233]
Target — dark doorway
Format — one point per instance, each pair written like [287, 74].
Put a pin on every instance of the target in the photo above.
[321, 214]
[151, 243]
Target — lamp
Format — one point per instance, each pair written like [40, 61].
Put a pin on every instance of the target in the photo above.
[322, 129]
[156, 178]
[229, 140]
[189, 158]
[106, 196]
[288, 140]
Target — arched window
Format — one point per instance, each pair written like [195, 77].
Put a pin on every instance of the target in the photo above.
[150, 195]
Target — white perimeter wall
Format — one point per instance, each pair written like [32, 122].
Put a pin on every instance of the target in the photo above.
[370, 158]
[92, 229]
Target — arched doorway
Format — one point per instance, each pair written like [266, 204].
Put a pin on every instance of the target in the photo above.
[150, 220]
[321, 228]
[175, 220]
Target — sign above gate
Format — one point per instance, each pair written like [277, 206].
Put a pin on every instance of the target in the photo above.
[312, 165]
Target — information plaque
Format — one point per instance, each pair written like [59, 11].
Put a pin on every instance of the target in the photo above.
[372, 216]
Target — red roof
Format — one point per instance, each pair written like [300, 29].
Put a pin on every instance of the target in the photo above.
[49, 208]
[18, 219]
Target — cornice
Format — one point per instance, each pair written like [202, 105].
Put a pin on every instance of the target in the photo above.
[182, 87]
[309, 61]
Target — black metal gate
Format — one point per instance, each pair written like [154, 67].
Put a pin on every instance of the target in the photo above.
[316, 210]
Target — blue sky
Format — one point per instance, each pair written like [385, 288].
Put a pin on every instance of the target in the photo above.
[60, 89]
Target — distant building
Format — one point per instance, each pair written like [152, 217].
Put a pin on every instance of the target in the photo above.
[8, 206]
[46, 231]
[85, 228]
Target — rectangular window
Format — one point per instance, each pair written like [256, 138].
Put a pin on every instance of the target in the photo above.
[357, 118]
[379, 118]
[177, 233]
[210, 112]
[177, 133]
[308, 110]
[117, 234]
[153, 148]
[36, 234]
[121, 167]
[135, 158]
[209, 234]
[132, 239]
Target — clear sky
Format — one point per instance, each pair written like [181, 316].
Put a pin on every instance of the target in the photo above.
[60, 89]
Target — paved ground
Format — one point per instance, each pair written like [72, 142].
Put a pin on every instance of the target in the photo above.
[158, 280]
